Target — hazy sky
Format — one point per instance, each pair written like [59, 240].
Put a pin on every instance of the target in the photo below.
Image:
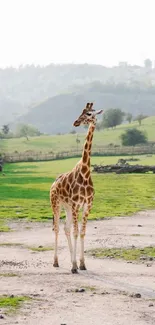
[78, 31]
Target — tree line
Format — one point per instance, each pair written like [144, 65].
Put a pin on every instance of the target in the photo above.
[111, 118]
[22, 130]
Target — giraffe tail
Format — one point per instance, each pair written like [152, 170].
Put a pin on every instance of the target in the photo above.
[53, 223]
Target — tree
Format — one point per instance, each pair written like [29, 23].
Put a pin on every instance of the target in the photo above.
[5, 129]
[139, 118]
[148, 64]
[25, 130]
[112, 117]
[129, 117]
[98, 126]
[131, 137]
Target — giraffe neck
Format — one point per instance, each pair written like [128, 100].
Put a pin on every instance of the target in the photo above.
[88, 145]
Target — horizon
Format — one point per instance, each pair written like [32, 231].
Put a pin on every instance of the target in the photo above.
[73, 63]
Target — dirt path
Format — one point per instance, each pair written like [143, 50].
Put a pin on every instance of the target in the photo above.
[108, 284]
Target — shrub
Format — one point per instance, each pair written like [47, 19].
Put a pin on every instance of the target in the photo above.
[131, 137]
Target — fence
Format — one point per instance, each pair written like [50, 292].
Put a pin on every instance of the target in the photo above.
[98, 151]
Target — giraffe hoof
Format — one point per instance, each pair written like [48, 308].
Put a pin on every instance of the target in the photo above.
[55, 264]
[75, 271]
[83, 268]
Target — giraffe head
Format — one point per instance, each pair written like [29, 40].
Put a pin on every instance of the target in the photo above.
[88, 115]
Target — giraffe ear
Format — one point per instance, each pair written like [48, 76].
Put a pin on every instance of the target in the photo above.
[99, 111]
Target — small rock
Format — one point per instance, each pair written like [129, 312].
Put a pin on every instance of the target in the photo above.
[40, 246]
[41, 289]
[80, 290]
[95, 227]
[140, 226]
[12, 296]
[136, 295]
[150, 258]
[148, 265]
[143, 258]
[1, 317]
[151, 304]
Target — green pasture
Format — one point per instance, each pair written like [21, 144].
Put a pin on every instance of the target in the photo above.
[67, 142]
[24, 190]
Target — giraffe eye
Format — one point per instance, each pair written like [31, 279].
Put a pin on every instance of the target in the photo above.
[89, 114]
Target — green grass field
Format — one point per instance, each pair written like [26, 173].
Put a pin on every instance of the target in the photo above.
[67, 142]
[24, 190]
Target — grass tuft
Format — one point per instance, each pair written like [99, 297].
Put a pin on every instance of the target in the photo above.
[3, 227]
[40, 248]
[12, 303]
[8, 275]
[132, 254]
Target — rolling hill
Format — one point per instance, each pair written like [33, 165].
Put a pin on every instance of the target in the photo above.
[61, 91]
[67, 142]
[57, 114]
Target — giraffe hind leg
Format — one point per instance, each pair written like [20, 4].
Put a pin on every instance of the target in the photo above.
[75, 235]
[56, 211]
[82, 236]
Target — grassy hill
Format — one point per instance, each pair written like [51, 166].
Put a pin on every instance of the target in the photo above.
[57, 113]
[67, 142]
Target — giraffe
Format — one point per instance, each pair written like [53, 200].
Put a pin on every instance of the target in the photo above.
[74, 191]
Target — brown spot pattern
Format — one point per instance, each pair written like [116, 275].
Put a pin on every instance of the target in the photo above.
[82, 190]
[84, 169]
[85, 157]
[64, 193]
[87, 174]
[70, 178]
[75, 197]
[90, 181]
[75, 189]
[86, 146]
[80, 179]
[67, 187]
[89, 190]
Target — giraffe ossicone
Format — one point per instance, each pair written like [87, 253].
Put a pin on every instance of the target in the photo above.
[74, 191]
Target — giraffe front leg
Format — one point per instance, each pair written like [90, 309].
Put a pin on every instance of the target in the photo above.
[82, 236]
[75, 234]
[67, 229]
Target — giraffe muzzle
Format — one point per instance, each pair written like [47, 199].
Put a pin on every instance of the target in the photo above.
[76, 123]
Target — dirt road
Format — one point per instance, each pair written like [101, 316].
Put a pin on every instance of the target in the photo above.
[109, 285]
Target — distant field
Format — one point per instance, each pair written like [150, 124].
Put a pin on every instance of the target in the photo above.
[24, 190]
[67, 142]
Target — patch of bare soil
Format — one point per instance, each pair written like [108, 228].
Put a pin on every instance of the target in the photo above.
[110, 287]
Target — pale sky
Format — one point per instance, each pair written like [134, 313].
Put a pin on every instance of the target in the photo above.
[76, 31]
